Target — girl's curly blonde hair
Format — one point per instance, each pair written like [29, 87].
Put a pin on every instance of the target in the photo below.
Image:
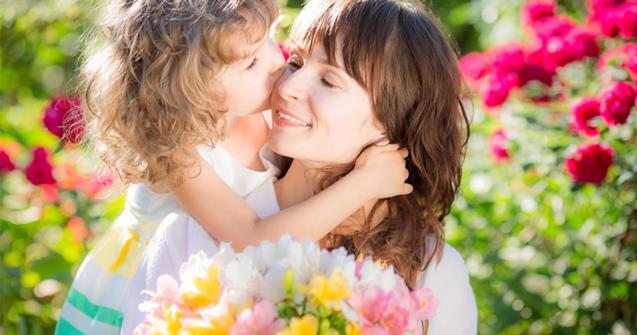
[148, 81]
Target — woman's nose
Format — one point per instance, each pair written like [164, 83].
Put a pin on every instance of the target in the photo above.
[292, 84]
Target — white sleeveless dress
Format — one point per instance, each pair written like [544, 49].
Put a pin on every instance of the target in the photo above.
[97, 297]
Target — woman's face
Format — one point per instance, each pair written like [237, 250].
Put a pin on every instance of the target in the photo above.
[321, 115]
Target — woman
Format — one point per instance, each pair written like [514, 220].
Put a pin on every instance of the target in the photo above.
[360, 70]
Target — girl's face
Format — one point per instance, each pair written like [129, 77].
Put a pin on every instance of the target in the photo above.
[321, 114]
[248, 82]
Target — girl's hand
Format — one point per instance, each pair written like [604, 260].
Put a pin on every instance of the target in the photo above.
[381, 172]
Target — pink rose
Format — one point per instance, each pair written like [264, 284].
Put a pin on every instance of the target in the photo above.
[537, 10]
[498, 144]
[615, 18]
[508, 57]
[628, 20]
[40, 170]
[6, 165]
[616, 104]
[497, 88]
[574, 46]
[590, 163]
[474, 67]
[63, 118]
[585, 110]
[624, 56]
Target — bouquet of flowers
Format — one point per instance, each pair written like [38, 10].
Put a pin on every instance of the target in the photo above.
[282, 288]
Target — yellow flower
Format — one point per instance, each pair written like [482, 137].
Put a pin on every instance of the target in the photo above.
[220, 325]
[172, 315]
[352, 329]
[208, 290]
[308, 325]
[326, 292]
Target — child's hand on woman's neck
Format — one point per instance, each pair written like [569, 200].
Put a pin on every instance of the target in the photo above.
[299, 184]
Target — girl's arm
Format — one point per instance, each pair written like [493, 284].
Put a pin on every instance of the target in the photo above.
[379, 173]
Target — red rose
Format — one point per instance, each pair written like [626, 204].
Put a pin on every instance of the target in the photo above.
[590, 163]
[6, 165]
[40, 170]
[585, 110]
[63, 119]
[497, 88]
[537, 10]
[498, 144]
[616, 103]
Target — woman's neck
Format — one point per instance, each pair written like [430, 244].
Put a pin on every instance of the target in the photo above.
[296, 186]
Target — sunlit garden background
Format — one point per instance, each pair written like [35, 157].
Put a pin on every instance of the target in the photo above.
[546, 219]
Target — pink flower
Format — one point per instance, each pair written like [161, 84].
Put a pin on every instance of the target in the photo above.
[167, 294]
[590, 163]
[507, 58]
[78, 229]
[425, 303]
[389, 310]
[615, 17]
[574, 46]
[585, 110]
[284, 51]
[498, 144]
[628, 20]
[474, 67]
[262, 320]
[616, 104]
[537, 10]
[624, 56]
[40, 170]
[6, 165]
[63, 118]
[553, 26]
[495, 91]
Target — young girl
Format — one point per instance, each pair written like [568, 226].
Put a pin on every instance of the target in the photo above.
[173, 89]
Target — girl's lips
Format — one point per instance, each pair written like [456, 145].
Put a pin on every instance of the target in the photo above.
[287, 120]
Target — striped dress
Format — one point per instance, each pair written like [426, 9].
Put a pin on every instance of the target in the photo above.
[98, 295]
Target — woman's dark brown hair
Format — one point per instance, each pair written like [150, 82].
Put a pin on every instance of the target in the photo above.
[398, 51]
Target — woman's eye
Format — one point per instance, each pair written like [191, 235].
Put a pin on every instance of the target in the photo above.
[327, 83]
[254, 62]
[294, 65]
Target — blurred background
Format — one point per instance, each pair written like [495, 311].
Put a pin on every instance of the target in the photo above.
[546, 219]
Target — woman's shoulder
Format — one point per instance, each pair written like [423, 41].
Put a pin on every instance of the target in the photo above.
[450, 268]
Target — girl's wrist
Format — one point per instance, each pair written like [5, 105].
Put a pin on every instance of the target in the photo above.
[357, 182]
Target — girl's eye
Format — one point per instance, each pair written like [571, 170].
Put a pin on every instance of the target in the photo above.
[254, 62]
[326, 83]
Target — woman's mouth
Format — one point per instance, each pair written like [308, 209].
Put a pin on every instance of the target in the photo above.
[287, 120]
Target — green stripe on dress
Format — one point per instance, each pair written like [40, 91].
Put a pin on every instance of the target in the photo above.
[65, 328]
[103, 314]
